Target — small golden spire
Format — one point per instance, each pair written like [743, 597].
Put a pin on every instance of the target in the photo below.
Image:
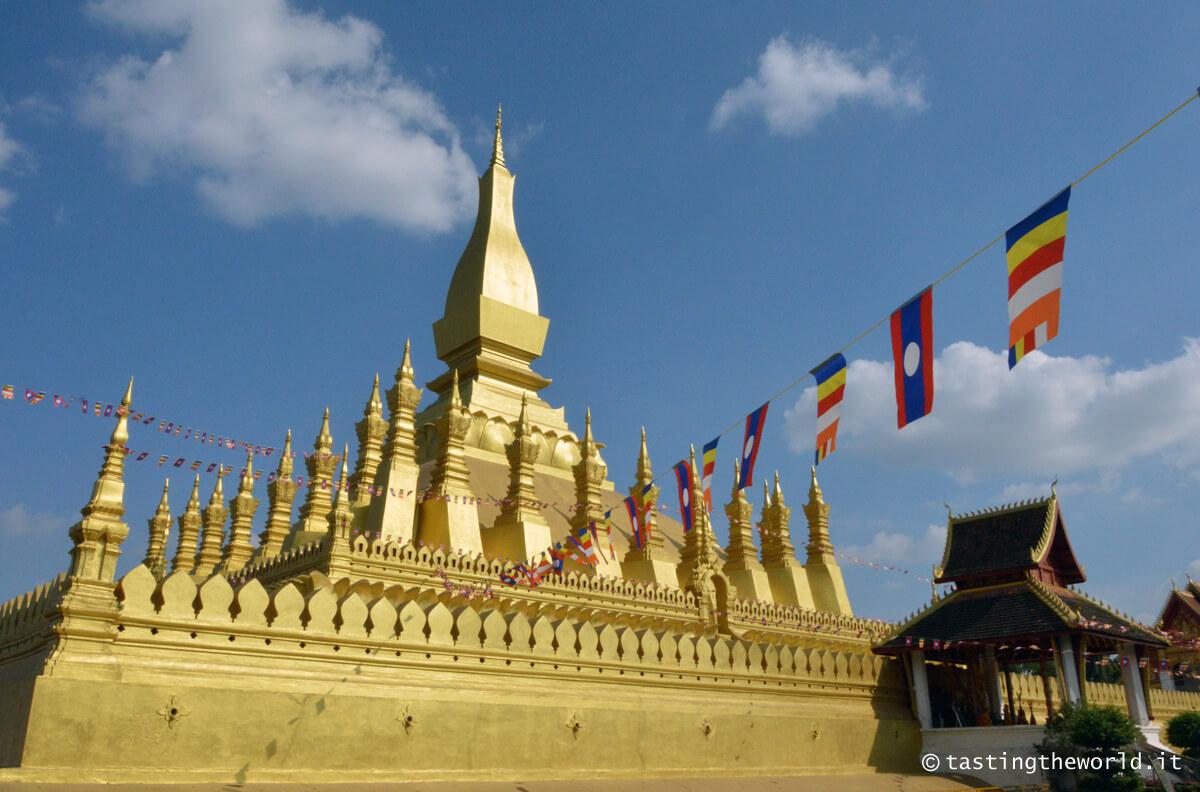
[523, 429]
[455, 397]
[285, 458]
[247, 483]
[127, 399]
[766, 495]
[342, 489]
[163, 506]
[692, 458]
[737, 473]
[324, 438]
[498, 143]
[405, 372]
[375, 403]
[587, 426]
[814, 489]
[218, 493]
[644, 472]
[777, 496]
[193, 503]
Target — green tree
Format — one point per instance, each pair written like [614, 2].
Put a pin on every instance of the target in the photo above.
[1183, 731]
[1099, 735]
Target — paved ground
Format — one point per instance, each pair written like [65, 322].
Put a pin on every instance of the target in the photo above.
[836, 783]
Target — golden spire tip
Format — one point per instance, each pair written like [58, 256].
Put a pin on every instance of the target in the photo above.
[128, 398]
[498, 143]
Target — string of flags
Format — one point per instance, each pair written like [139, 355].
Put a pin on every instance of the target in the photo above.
[1034, 255]
[100, 409]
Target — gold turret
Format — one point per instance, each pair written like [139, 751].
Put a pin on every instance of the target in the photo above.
[280, 493]
[371, 431]
[211, 538]
[520, 532]
[789, 581]
[96, 539]
[742, 566]
[189, 532]
[342, 515]
[699, 554]
[392, 514]
[449, 515]
[160, 529]
[314, 514]
[824, 574]
[243, 506]
[498, 142]
[647, 562]
[590, 473]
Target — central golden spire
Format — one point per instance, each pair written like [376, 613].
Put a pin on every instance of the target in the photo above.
[491, 327]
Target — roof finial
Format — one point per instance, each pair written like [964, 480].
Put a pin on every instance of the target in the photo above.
[324, 438]
[127, 399]
[498, 144]
[814, 489]
[163, 505]
[247, 482]
[737, 472]
[1054, 487]
[949, 511]
[523, 420]
[374, 403]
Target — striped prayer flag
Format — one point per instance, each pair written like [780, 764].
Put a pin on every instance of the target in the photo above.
[1035, 260]
[831, 387]
[710, 464]
[6, 392]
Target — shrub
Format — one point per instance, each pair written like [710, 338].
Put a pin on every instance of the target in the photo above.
[1183, 731]
[1101, 732]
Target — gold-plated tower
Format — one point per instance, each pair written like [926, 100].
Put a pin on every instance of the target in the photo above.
[96, 539]
[392, 514]
[318, 501]
[789, 582]
[243, 506]
[742, 566]
[371, 431]
[590, 473]
[189, 532]
[647, 562]
[824, 573]
[280, 493]
[160, 529]
[211, 538]
[520, 532]
[699, 554]
[342, 516]
[449, 515]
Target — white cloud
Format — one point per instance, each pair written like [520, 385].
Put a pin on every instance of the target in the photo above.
[9, 152]
[275, 112]
[915, 553]
[799, 84]
[16, 521]
[1048, 416]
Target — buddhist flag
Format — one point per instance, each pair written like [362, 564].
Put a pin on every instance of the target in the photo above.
[557, 556]
[751, 441]
[912, 351]
[580, 542]
[831, 387]
[6, 392]
[710, 464]
[33, 397]
[1035, 260]
[683, 477]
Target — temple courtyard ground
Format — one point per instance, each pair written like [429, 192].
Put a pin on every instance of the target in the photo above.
[865, 782]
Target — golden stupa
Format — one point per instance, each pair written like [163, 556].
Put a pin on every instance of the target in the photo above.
[368, 638]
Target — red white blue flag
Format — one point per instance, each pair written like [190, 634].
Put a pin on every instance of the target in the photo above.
[751, 441]
[683, 477]
[635, 521]
[912, 352]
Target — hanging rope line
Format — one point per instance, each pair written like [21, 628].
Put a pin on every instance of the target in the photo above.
[959, 266]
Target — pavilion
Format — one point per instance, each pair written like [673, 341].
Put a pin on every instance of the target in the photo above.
[1013, 607]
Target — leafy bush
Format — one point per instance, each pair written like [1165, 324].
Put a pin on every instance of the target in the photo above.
[1093, 732]
[1183, 731]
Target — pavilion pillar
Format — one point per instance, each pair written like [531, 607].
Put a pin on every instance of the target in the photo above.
[1135, 695]
[1008, 685]
[1046, 690]
[920, 690]
[1068, 669]
[991, 675]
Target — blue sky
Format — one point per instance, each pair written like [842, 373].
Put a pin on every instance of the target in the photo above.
[250, 207]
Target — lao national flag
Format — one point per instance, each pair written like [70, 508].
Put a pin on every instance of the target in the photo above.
[683, 476]
[750, 443]
[912, 350]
